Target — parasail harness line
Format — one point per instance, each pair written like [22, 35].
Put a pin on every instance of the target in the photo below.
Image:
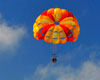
[54, 53]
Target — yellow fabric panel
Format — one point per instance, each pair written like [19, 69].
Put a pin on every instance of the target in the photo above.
[36, 29]
[55, 35]
[76, 34]
[49, 34]
[67, 19]
[75, 20]
[68, 22]
[44, 19]
[38, 18]
[76, 31]
[35, 36]
[62, 35]
[77, 25]
[69, 26]
[57, 14]
[42, 25]
[34, 26]
[77, 28]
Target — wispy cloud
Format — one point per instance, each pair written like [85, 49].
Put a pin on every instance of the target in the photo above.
[88, 70]
[10, 35]
[83, 53]
[0, 16]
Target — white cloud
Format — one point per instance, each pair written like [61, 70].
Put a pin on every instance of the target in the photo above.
[87, 70]
[10, 35]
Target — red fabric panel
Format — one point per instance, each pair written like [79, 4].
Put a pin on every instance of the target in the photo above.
[44, 13]
[63, 16]
[40, 36]
[71, 38]
[70, 14]
[49, 15]
[68, 32]
[43, 31]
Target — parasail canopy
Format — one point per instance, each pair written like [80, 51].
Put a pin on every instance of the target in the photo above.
[56, 26]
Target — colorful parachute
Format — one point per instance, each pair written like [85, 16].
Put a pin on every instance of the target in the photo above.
[56, 26]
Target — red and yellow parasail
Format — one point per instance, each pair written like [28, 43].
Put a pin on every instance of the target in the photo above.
[56, 26]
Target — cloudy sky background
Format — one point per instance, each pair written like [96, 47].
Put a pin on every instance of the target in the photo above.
[24, 58]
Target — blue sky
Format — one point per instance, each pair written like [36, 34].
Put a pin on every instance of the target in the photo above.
[21, 54]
